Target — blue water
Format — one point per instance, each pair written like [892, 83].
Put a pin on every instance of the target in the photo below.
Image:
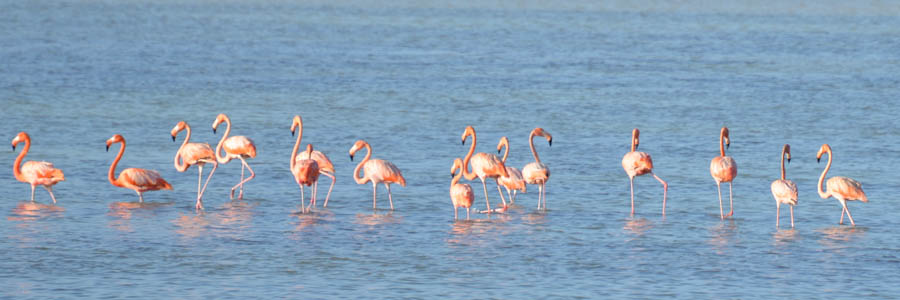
[408, 77]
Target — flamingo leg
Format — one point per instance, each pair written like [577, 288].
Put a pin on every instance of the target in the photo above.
[843, 209]
[50, 190]
[140, 196]
[777, 213]
[329, 188]
[792, 216]
[544, 194]
[390, 197]
[32, 193]
[456, 212]
[848, 214]
[315, 188]
[665, 191]
[467, 212]
[303, 206]
[500, 191]
[240, 184]
[509, 195]
[631, 179]
[486, 201]
[199, 204]
[730, 199]
[252, 175]
[721, 212]
[374, 185]
[208, 177]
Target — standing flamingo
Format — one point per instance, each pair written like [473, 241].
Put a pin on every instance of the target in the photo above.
[484, 165]
[306, 172]
[139, 180]
[194, 154]
[35, 172]
[784, 191]
[460, 193]
[638, 163]
[240, 147]
[377, 171]
[537, 172]
[514, 182]
[325, 166]
[841, 188]
[723, 169]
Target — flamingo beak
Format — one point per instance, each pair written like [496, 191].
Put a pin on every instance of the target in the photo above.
[498, 151]
[789, 160]
[14, 147]
[292, 133]
[463, 142]
[551, 142]
[214, 130]
[818, 159]
[351, 157]
[173, 138]
[107, 148]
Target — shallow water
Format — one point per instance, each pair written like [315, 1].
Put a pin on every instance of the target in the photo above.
[408, 78]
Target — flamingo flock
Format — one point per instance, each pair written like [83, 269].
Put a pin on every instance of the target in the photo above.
[306, 167]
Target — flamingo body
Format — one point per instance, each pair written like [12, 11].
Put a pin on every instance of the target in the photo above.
[637, 163]
[239, 145]
[461, 194]
[784, 191]
[376, 171]
[321, 159]
[536, 173]
[515, 181]
[35, 172]
[193, 153]
[142, 180]
[723, 168]
[841, 188]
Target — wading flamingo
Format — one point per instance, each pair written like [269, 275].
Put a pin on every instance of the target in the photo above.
[841, 188]
[306, 172]
[325, 166]
[484, 165]
[377, 171]
[240, 147]
[190, 154]
[723, 169]
[537, 172]
[514, 182]
[784, 191]
[34, 172]
[139, 180]
[638, 163]
[460, 193]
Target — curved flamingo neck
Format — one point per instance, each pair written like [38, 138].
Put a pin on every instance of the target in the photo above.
[821, 189]
[297, 144]
[633, 142]
[112, 167]
[17, 166]
[356, 177]
[722, 143]
[505, 143]
[455, 179]
[223, 158]
[465, 167]
[531, 144]
[180, 165]
[782, 163]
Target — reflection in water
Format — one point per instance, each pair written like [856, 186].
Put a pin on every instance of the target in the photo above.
[123, 211]
[376, 219]
[784, 236]
[237, 212]
[28, 230]
[637, 227]
[31, 211]
[723, 235]
[839, 237]
[191, 225]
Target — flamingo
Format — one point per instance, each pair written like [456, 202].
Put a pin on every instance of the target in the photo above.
[638, 163]
[514, 182]
[723, 169]
[190, 154]
[784, 191]
[377, 171]
[240, 147]
[35, 172]
[325, 166]
[306, 172]
[537, 172]
[484, 165]
[139, 180]
[841, 188]
[460, 193]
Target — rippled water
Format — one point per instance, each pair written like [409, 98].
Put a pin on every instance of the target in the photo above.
[408, 78]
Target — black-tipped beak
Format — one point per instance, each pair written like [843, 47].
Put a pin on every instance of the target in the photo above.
[214, 130]
[107, 148]
[351, 157]
[551, 142]
[14, 147]
[292, 133]
[789, 160]
[452, 175]
[463, 142]
[727, 145]
[173, 138]
[498, 151]
[818, 160]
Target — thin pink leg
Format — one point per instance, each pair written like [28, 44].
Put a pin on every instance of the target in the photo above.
[374, 185]
[719, 188]
[390, 197]
[665, 191]
[843, 209]
[303, 206]
[32, 193]
[792, 216]
[328, 196]
[208, 177]
[252, 175]
[488, 203]
[50, 190]
[631, 179]
[848, 214]
[497, 180]
[730, 199]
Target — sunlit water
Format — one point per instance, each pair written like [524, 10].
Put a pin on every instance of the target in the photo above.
[408, 78]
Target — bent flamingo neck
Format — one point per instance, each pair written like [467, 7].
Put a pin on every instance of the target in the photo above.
[634, 140]
[297, 143]
[504, 143]
[112, 167]
[180, 165]
[469, 175]
[356, 177]
[820, 188]
[17, 165]
[456, 177]
[721, 143]
[531, 144]
[782, 163]
[223, 158]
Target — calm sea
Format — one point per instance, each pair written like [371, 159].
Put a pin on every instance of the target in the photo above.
[408, 77]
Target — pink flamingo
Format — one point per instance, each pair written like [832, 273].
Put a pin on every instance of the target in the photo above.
[377, 171]
[484, 165]
[190, 154]
[240, 147]
[784, 191]
[34, 172]
[514, 182]
[537, 172]
[139, 180]
[841, 188]
[460, 193]
[638, 163]
[325, 166]
[306, 172]
[723, 169]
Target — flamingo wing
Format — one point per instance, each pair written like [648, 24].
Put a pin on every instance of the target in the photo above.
[325, 164]
[723, 168]
[240, 145]
[462, 195]
[637, 163]
[41, 173]
[487, 165]
[784, 191]
[846, 189]
[143, 180]
[379, 171]
[536, 173]
[515, 180]
[193, 152]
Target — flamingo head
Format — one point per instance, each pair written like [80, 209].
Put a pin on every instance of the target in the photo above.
[298, 121]
[469, 131]
[724, 135]
[219, 119]
[309, 149]
[504, 141]
[787, 152]
[20, 138]
[116, 138]
[822, 150]
[178, 128]
[540, 132]
[635, 139]
[457, 164]
[356, 146]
